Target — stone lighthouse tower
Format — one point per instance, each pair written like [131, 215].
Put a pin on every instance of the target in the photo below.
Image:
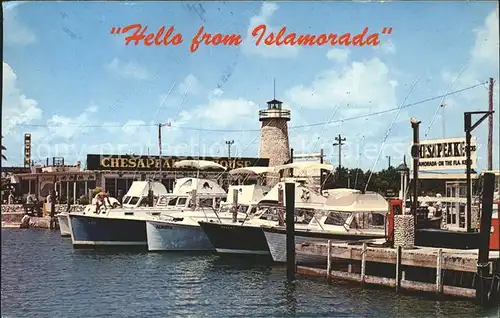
[274, 142]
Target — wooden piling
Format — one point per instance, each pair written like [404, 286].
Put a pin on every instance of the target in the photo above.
[329, 259]
[52, 224]
[482, 288]
[281, 209]
[399, 251]
[235, 205]
[363, 263]
[439, 281]
[290, 229]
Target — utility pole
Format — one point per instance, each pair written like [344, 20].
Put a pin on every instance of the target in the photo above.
[490, 126]
[389, 158]
[340, 143]
[229, 143]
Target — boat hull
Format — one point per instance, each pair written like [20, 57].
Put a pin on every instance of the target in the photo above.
[276, 240]
[63, 220]
[236, 238]
[88, 232]
[169, 236]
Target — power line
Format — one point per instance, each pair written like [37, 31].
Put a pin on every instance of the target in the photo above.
[256, 130]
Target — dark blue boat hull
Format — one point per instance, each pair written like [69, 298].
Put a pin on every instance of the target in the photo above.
[236, 238]
[89, 232]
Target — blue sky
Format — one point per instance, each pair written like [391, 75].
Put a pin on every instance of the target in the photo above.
[79, 89]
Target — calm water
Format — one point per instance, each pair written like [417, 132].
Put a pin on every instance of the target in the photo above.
[43, 276]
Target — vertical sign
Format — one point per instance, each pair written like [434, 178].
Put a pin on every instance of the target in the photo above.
[27, 150]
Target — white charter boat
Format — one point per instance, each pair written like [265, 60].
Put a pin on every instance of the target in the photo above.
[248, 237]
[348, 215]
[180, 230]
[123, 226]
[63, 217]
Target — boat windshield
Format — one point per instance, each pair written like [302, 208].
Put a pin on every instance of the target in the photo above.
[242, 208]
[181, 201]
[133, 200]
[368, 220]
[126, 199]
[337, 218]
[226, 208]
[167, 201]
[144, 201]
[269, 213]
[302, 215]
[206, 202]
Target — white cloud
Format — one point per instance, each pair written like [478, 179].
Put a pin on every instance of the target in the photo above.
[482, 64]
[217, 92]
[133, 127]
[92, 108]
[386, 47]
[190, 85]
[266, 12]
[60, 126]
[128, 69]
[486, 44]
[338, 55]
[358, 84]
[224, 112]
[16, 33]
[17, 108]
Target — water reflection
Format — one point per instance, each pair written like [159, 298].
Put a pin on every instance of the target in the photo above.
[289, 291]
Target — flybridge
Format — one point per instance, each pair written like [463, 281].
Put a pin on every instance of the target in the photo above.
[444, 150]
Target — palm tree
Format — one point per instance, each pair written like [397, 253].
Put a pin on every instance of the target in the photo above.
[3, 148]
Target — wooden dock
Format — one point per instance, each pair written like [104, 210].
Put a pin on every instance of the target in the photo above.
[432, 270]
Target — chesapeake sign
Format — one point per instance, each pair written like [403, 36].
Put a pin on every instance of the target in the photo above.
[446, 154]
[152, 163]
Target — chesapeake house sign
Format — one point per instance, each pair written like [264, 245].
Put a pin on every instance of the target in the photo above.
[446, 154]
[152, 163]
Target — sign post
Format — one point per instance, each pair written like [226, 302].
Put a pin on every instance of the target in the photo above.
[469, 127]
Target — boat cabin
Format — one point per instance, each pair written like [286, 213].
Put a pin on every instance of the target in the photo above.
[191, 192]
[357, 211]
[137, 195]
[246, 196]
[307, 203]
